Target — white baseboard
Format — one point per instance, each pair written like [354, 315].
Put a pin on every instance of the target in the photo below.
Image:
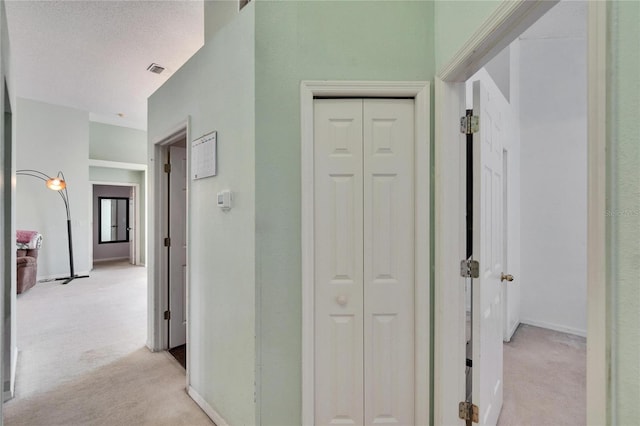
[209, 411]
[512, 330]
[53, 277]
[14, 369]
[110, 259]
[11, 392]
[555, 327]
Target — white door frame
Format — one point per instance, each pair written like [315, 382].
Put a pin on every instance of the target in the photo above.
[499, 30]
[380, 89]
[139, 219]
[158, 277]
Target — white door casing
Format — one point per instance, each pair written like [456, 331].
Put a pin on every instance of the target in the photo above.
[158, 223]
[178, 247]
[132, 226]
[508, 20]
[419, 91]
[512, 292]
[488, 239]
[364, 257]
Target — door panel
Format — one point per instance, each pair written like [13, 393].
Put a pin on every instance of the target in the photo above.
[338, 260]
[178, 248]
[488, 242]
[364, 261]
[388, 261]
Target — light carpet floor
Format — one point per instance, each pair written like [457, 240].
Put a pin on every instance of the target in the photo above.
[83, 361]
[544, 379]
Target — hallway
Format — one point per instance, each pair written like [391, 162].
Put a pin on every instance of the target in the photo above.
[82, 357]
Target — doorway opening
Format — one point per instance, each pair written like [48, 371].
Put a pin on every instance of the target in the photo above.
[538, 205]
[176, 209]
[116, 222]
[171, 244]
[541, 221]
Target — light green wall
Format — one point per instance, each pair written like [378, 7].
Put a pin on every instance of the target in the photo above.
[624, 212]
[60, 141]
[105, 174]
[332, 40]
[455, 24]
[215, 88]
[305, 41]
[115, 143]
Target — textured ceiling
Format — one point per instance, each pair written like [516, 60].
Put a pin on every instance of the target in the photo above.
[93, 55]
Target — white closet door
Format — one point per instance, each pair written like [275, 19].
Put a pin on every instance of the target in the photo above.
[364, 261]
[389, 261]
[338, 261]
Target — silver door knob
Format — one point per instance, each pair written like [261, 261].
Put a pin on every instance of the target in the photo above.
[342, 300]
[507, 277]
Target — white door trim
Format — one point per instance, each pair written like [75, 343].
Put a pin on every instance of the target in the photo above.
[117, 165]
[382, 89]
[156, 258]
[509, 19]
[599, 310]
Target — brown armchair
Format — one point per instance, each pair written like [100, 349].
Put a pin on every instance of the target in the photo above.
[28, 243]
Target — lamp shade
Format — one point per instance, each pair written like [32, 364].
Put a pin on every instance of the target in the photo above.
[56, 184]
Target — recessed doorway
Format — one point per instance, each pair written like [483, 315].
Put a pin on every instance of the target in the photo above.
[170, 272]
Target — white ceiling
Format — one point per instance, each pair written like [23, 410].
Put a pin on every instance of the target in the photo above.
[93, 55]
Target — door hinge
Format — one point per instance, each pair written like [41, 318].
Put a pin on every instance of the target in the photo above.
[469, 124]
[468, 411]
[469, 268]
[167, 315]
[167, 242]
[167, 168]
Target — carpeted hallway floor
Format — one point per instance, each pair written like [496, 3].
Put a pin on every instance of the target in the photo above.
[83, 361]
[544, 379]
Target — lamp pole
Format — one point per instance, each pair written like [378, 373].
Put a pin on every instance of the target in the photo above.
[59, 185]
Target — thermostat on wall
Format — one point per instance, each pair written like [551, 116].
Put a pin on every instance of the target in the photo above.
[224, 199]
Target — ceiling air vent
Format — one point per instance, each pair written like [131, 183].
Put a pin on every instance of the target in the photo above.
[155, 68]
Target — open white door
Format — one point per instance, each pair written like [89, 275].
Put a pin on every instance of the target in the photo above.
[178, 246]
[510, 139]
[488, 210]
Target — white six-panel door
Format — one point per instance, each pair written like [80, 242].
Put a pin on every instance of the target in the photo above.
[364, 261]
[488, 240]
[178, 248]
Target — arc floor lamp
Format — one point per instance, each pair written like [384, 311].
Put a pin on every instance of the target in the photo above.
[58, 184]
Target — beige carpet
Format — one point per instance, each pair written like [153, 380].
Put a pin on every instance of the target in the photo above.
[82, 358]
[544, 379]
